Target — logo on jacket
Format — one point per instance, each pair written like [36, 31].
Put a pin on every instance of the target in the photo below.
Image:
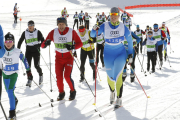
[114, 34]
[7, 60]
[62, 39]
[31, 35]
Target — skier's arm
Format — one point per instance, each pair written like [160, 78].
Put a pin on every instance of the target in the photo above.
[49, 37]
[100, 31]
[40, 37]
[21, 40]
[136, 37]
[78, 43]
[2, 49]
[163, 35]
[92, 39]
[24, 60]
[129, 40]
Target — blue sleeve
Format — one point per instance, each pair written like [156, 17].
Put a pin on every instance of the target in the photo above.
[24, 60]
[144, 43]
[168, 37]
[100, 31]
[2, 49]
[129, 40]
[136, 37]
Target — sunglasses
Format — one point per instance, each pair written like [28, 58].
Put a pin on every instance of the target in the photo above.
[9, 41]
[116, 14]
[30, 24]
[156, 28]
[149, 34]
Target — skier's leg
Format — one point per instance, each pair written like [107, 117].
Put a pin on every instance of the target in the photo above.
[9, 82]
[36, 57]
[28, 56]
[141, 45]
[74, 23]
[152, 60]
[160, 48]
[67, 73]
[83, 57]
[148, 60]
[77, 23]
[101, 54]
[59, 68]
[98, 49]
[91, 61]
[88, 24]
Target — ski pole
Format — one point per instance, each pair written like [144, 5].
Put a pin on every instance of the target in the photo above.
[140, 62]
[96, 60]
[23, 69]
[1, 94]
[139, 82]
[168, 60]
[51, 100]
[171, 49]
[81, 72]
[50, 68]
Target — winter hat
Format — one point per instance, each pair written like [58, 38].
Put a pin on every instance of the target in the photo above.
[137, 26]
[31, 23]
[163, 23]
[9, 36]
[114, 10]
[61, 20]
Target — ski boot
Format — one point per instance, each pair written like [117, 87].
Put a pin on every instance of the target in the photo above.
[103, 65]
[12, 115]
[82, 78]
[112, 97]
[29, 82]
[40, 79]
[72, 95]
[132, 77]
[94, 75]
[124, 76]
[118, 102]
[61, 96]
[161, 63]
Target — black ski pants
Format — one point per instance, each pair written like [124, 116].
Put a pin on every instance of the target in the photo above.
[75, 22]
[151, 57]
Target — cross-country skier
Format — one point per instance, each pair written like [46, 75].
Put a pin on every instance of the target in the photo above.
[166, 31]
[129, 19]
[81, 15]
[100, 49]
[64, 11]
[97, 16]
[10, 61]
[151, 44]
[127, 24]
[86, 20]
[86, 50]
[63, 38]
[15, 15]
[140, 34]
[104, 16]
[33, 39]
[100, 20]
[159, 36]
[136, 41]
[114, 52]
[76, 17]
[124, 16]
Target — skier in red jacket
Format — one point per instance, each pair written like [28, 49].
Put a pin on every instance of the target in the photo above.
[63, 38]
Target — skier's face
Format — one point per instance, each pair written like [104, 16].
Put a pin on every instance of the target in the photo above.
[61, 26]
[150, 35]
[114, 18]
[31, 28]
[82, 33]
[9, 44]
[163, 25]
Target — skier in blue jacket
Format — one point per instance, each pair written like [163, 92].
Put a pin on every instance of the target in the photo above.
[114, 52]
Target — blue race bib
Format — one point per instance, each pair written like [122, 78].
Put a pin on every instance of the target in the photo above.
[115, 40]
[13, 67]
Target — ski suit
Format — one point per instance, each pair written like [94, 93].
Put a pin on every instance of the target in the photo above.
[76, 17]
[140, 34]
[81, 15]
[64, 59]
[115, 52]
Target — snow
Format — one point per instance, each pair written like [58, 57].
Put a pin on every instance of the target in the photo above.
[162, 86]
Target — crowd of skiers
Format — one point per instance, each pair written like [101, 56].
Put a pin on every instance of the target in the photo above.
[117, 45]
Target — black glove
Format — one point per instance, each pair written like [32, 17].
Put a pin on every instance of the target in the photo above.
[89, 41]
[48, 42]
[29, 75]
[130, 58]
[70, 47]
[74, 54]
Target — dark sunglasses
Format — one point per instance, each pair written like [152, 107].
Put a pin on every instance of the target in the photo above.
[149, 34]
[62, 18]
[9, 41]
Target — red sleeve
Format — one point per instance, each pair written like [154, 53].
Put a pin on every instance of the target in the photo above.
[77, 40]
[163, 34]
[143, 32]
[49, 37]
[168, 31]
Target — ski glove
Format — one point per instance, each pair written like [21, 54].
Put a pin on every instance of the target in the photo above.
[48, 42]
[75, 54]
[95, 27]
[168, 43]
[29, 75]
[130, 57]
[70, 47]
